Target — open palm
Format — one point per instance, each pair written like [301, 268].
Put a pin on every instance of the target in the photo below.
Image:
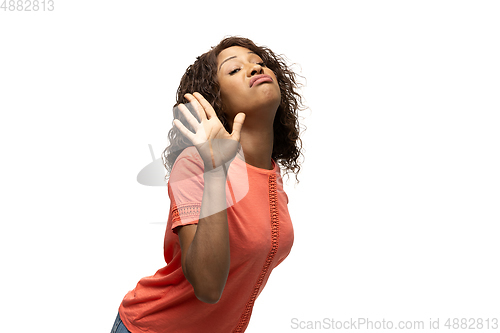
[215, 145]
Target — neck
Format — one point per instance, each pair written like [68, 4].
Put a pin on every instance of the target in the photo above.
[257, 145]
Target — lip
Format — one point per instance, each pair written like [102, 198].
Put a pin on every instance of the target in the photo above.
[260, 78]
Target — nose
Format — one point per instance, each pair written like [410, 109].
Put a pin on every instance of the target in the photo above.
[255, 69]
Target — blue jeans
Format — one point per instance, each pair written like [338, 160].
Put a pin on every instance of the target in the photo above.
[118, 326]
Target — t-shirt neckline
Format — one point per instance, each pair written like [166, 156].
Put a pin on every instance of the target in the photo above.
[260, 170]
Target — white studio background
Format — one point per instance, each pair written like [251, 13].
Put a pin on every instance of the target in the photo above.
[396, 215]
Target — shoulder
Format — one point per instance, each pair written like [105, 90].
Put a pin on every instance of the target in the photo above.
[189, 154]
[276, 167]
[187, 164]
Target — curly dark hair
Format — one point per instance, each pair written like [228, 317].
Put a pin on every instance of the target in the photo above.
[202, 77]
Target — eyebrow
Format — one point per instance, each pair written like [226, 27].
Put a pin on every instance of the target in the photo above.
[233, 58]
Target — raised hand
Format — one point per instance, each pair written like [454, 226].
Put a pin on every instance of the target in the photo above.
[216, 146]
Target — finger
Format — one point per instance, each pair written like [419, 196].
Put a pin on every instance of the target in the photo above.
[189, 116]
[197, 106]
[237, 125]
[206, 106]
[184, 131]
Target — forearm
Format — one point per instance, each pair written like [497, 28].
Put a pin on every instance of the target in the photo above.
[205, 247]
[207, 258]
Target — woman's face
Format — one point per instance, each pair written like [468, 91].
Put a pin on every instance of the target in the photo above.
[246, 84]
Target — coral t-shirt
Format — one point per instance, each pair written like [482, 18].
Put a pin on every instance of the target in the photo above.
[260, 236]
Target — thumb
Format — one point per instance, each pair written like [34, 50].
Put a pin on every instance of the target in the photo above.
[239, 119]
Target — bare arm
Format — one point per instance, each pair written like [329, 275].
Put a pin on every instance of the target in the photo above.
[205, 246]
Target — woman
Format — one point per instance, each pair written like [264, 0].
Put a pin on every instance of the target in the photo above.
[228, 226]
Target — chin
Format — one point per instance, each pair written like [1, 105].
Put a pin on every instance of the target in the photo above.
[267, 105]
[271, 95]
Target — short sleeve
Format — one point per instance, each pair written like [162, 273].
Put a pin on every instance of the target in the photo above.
[185, 188]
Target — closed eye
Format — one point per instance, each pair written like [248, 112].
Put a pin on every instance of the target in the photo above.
[234, 71]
